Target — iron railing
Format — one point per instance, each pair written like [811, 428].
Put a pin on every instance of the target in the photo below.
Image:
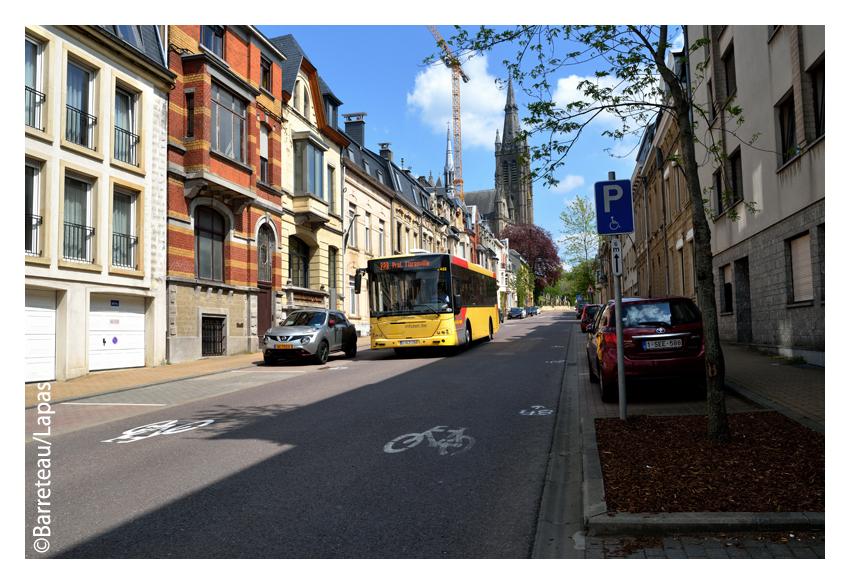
[79, 127]
[212, 336]
[78, 243]
[33, 100]
[124, 250]
[32, 225]
[125, 146]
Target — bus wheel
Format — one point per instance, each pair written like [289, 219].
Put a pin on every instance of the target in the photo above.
[490, 336]
[467, 338]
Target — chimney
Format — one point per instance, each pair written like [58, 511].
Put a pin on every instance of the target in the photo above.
[385, 150]
[355, 126]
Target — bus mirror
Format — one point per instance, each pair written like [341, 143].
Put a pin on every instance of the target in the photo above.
[357, 279]
[457, 303]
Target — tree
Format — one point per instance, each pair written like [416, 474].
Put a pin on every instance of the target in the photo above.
[631, 61]
[580, 243]
[523, 283]
[536, 246]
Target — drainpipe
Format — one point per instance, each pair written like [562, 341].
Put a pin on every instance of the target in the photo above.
[646, 233]
[659, 165]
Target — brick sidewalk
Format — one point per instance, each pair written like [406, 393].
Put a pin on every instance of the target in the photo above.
[123, 378]
[799, 389]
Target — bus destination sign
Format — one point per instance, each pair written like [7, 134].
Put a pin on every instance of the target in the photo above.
[416, 264]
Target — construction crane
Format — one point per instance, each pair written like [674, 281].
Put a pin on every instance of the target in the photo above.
[457, 73]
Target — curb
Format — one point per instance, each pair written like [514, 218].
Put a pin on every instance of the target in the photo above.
[598, 522]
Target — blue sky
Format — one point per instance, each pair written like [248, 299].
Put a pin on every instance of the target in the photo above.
[379, 70]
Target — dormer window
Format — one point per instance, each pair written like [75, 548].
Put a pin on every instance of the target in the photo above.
[212, 36]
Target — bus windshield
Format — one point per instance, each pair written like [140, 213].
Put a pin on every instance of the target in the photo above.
[409, 290]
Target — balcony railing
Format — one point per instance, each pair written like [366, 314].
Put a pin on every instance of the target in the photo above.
[125, 146]
[32, 225]
[124, 250]
[79, 127]
[33, 100]
[77, 246]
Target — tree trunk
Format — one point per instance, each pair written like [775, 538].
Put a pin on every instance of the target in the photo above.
[715, 368]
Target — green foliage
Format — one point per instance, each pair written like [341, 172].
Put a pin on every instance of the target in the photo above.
[523, 283]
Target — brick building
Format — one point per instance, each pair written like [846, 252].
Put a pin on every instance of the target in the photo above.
[95, 118]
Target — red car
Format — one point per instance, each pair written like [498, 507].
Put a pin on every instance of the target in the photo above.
[662, 339]
[587, 314]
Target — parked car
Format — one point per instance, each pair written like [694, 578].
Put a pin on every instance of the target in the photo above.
[662, 339]
[579, 307]
[534, 310]
[310, 333]
[587, 315]
[516, 312]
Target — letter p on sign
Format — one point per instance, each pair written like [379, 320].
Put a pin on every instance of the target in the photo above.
[611, 193]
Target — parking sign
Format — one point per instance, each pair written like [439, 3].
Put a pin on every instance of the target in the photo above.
[615, 213]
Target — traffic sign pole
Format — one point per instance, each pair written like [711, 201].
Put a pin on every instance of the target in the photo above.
[618, 313]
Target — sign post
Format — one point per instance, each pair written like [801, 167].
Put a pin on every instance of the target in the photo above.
[615, 216]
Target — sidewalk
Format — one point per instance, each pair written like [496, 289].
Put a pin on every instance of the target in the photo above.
[107, 381]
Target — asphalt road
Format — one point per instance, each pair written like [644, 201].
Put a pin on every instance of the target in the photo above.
[308, 465]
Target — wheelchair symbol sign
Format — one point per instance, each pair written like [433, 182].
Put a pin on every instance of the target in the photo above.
[614, 210]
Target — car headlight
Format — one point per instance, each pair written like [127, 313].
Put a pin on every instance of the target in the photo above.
[306, 339]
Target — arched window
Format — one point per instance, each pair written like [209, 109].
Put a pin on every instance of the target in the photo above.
[299, 267]
[505, 172]
[306, 102]
[298, 96]
[265, 253]
[513, 171]
[209, 244]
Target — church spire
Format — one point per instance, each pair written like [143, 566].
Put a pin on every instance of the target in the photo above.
[511, 130]
[449, 169]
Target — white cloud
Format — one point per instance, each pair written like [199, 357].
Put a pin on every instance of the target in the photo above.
[482, 103]
[567, 184]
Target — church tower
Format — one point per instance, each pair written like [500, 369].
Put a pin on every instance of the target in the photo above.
[516, 193]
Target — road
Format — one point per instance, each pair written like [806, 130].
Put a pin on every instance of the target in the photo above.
[301, 461]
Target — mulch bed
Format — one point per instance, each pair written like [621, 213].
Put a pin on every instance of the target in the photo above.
[655, 464]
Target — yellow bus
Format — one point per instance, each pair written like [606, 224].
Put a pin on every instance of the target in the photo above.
[429, 300]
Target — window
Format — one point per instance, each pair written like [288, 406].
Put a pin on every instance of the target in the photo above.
[78, 229]
[368, 232]
[190, 114]
[212, 36]
[818, 80]
[32, 218]
[124, 240]
[513, 171]
[398, 237]
[332, 189]
[729, 67]
[264, 154]
[79, 124]
[265, 74]
[332, 262]
[299, 266]
[212, 335]
[406, 239]
[227, 124]
[788, 129]
[380, 237]
[504, 172]
[298, 96]
[309, 168]
[737, 176]
[726, 297]
[352, 226]
[126, 139]
[801, 269]
[33, 96]
[265, 253]
[352, 310]
[129, 33]
[366, 166]
[209, 244]
[718, 190]
[305, 103]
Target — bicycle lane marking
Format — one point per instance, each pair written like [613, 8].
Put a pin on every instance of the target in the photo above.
[454, 440]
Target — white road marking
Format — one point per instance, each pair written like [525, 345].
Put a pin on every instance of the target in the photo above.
[100, 404]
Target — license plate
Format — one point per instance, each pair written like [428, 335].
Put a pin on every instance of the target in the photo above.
[666, 344]
[408, 342]
[283, 346]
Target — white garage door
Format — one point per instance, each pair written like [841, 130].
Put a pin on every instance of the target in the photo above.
[39, 336]
[116, 332]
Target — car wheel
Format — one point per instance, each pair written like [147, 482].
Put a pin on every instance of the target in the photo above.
[322, 353]
[270, 360]
[610, 391]
[594, 378]
[351, 351]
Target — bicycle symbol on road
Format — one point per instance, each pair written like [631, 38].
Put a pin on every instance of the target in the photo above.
[614, 226]
[536, 411]
[455, 440]
[156, 429]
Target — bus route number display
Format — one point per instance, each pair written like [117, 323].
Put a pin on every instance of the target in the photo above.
[404, 264]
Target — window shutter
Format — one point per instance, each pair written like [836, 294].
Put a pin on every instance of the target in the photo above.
[264, 143]
[801, 268]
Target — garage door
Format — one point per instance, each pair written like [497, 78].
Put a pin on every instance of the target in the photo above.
[116, 332]
[39, 336]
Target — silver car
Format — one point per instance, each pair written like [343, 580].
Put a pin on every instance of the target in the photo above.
[310, 333]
